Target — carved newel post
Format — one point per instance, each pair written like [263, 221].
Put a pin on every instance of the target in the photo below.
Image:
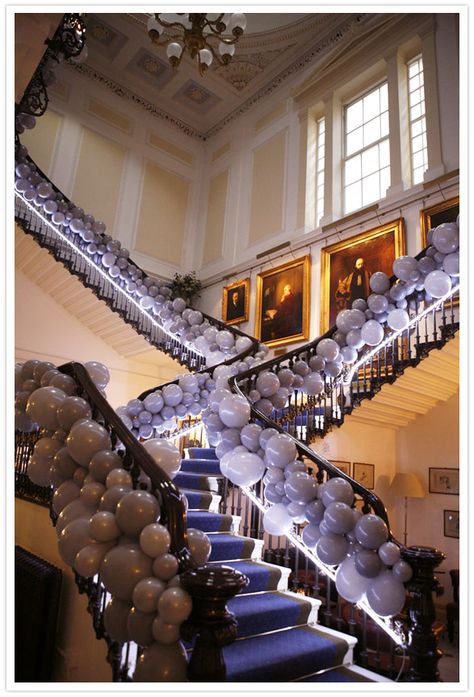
[422, 643]
[210, 587]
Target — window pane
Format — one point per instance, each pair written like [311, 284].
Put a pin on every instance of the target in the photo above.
[418, 159]
[352, 170]
[418, 175]
[370, 160]
[384, 125]
[353, 116]
[384, 181]
[417, 143]
[416, 96]
[354, 141]
[414, 68]
[384, 153]
[371, 105]
[372, 131]
[370, 189]
[320, 180]
[415, 112]
[415, 82]
[384, 98]
[353, 197]
[417, 128]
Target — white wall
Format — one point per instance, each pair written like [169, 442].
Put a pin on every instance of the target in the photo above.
[44, 330]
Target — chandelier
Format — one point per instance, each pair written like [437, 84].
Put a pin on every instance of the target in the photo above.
[194, 32]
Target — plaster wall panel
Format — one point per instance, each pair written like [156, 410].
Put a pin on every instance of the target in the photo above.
[162, 215]
[41, 140]
[216, 207]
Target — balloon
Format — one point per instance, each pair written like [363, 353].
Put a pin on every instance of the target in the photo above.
[122, 568]
[315, 511]
[250, 435]
[313, 384]
[301, 487]
[276, 520]
[164, 632]
[103, 527]
[336, 489]
[338, 517]
[331, 548]
[389, 553]
[379, 282]
[146, 594]
[446, 238]
[377, 303]
[438, 283]
[99, 373]
[85, 439]
[139, 626]
[155, 540]
[115, 619]
[73, 538]
[88, 559]
[64, 494]
[234, 410]
[112, 496]
[118, 477]
[280, 449]
[398, 319]
[327, 349]
[43, 404]
[402, 571]
[135, 510]
[372, 332]
[72, 511]
[451, 264]
[199, 546]
[91, 493]
[367, 563]
[172, 395]
[386, 594]
[166, 455]
[311, 535]
[371, 531]
[71, 410]
[404, 267]
[349, 583]
[165, 567]
[174, 605]
[161, 663]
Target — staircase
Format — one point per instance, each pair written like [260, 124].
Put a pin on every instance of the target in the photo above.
[279, 638]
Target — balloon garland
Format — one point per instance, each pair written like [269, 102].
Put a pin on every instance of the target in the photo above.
[104, 525]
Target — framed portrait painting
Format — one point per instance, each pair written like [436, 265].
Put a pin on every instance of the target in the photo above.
[444, 212]
[235, 302]
[282, 313]
[346, 267]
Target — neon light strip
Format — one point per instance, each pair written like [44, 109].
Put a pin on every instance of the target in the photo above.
[347, 379]
[329, 571]
[100, 271]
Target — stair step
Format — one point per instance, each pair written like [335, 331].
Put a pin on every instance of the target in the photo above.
[229, 547]
[201, 500]
[207, 453]
[286, 654]
[187, 480]
[207, 467]
[210, 522]
[262, 576]
[269, 611]
[346, 674]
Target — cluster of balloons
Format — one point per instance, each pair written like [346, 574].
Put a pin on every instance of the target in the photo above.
[104, 525]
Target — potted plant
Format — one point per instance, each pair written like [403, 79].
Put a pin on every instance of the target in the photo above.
[186, 286]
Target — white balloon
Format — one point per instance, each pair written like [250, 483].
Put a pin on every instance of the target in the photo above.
[234, 410]
[276, 520]
[244, 469]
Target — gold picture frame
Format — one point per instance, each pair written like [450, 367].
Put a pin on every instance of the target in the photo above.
[282, 313]
[444, 212]
[235, 302]
[378, 248]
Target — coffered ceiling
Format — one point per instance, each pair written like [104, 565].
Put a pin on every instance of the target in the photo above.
[274, 47]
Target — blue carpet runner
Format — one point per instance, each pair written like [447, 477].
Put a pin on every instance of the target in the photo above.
[275, 643]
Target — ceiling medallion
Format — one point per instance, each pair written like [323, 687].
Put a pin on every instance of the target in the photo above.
[196, 33]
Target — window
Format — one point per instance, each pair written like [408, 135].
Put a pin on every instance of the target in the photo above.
[416, 106]
[320, 145]
[367, 149]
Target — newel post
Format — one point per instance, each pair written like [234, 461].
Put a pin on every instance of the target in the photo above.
[422, 642]
[210, 587]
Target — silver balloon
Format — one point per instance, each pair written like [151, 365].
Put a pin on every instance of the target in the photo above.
[386, 594]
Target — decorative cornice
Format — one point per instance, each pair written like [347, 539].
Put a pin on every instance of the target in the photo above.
[126, 93]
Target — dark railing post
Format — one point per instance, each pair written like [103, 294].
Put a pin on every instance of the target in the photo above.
[422, 646]
[214, 627]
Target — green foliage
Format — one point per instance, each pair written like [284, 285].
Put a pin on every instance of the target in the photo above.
[186, 286]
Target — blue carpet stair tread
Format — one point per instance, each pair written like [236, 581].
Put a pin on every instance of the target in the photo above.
[267, 612]
[198, 499]
[209, 522]
[207, 453]
[284, 655]
[262, 577]
[340, 674]
[189, 480]
[206, 467]
[225, 547]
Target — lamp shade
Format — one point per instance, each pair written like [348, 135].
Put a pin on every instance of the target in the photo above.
[407, 484]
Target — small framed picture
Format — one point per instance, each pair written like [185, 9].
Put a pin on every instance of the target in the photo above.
[451, 524]
[444, 480]
[364, 474]
[343, 466]
[444, 212]
[235, 302]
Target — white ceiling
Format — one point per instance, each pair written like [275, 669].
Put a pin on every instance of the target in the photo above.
[274, 47]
